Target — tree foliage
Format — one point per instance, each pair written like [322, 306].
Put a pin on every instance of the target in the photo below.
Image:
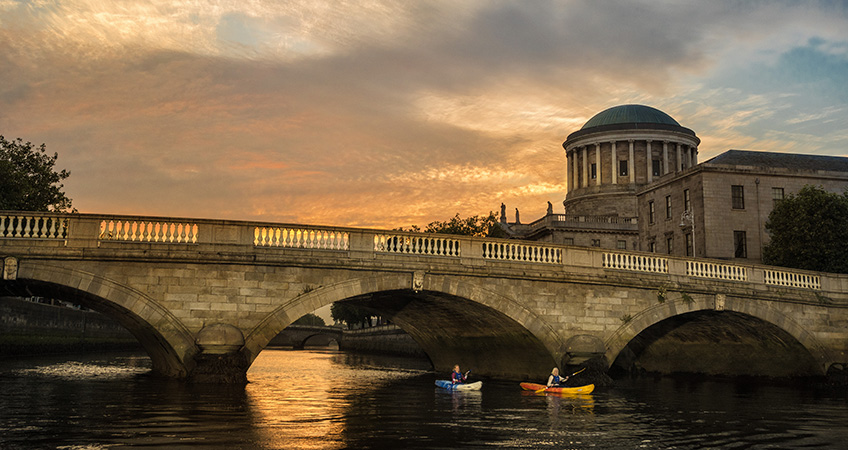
[310, 319]
[809, 230]
[470, 226]
[351, 314]
[28, 180]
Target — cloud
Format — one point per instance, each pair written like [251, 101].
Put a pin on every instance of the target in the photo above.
[389, 114]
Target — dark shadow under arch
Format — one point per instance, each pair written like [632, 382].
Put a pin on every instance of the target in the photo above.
[471, 325]
[715, 343]
[129, 308]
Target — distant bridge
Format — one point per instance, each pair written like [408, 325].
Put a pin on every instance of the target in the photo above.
[204, 297]
[298, 336]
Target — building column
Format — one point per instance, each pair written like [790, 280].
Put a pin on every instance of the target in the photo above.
[665, 157]
[614, 164]
[575, 171]
[679, 163]
[585, 166]
[694, 151]
[650, 158]
[568, 163]
[631, 164]
[598, 163]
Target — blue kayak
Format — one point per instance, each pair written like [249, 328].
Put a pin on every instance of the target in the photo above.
[447, 384]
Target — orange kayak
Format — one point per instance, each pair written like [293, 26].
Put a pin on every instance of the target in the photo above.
[558, 390]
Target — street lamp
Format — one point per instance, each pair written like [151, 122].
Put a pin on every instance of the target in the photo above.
[688, 219]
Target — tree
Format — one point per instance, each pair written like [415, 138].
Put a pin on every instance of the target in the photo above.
[809, 230]
[28, 180]
[471, 226]
[351, 314]
[310, 319]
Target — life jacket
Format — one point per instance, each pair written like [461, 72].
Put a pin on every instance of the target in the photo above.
[456, 377]
[556, 380]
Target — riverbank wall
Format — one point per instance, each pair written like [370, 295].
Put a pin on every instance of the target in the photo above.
[32, 328]
[383, 339]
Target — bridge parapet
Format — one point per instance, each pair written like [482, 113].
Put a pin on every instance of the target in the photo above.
[91, 230]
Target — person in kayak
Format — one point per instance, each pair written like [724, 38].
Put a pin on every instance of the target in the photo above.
[555, 380]
[457, 377]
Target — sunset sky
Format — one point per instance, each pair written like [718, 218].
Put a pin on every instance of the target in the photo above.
[389, 114]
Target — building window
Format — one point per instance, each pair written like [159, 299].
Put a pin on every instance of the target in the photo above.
[651, 211]
[652, 247]
[740, 244]
[688, 244]
[568, 241]
[656, 166]
[776, 195]
[621, 245]
[687, 204]
[596, 242]
[669, 244]
[622, 168]
[738, 196]
[594, 171]
[668, 207]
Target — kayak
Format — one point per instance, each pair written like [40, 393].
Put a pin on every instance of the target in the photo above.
[447, 384]
[558, 390]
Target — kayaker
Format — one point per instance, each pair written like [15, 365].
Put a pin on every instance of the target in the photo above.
[456, 376]
[555, 380]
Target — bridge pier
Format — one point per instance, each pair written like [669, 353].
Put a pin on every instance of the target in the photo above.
[221, 359]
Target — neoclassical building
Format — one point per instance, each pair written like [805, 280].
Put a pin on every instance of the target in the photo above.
[634, 183]
[617, 152]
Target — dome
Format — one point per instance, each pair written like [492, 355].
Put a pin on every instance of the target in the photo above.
[630, 114]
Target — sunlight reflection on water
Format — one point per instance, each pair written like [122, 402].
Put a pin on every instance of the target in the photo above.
[321, 399]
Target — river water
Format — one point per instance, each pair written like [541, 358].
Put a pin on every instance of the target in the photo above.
[325, 399]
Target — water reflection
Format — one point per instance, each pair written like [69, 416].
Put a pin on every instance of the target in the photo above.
[330, 399]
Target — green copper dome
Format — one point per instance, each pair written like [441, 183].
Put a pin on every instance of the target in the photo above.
[630, 114]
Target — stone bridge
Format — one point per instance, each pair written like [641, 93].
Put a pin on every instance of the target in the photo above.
[297, 336]
[204, 297]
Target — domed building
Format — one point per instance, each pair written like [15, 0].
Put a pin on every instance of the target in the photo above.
[620, 150]
[634, 183]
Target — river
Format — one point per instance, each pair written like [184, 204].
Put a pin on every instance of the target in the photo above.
[325, 399]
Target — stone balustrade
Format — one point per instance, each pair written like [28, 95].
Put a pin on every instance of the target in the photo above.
[705, 269]
[522, 252]
[148, 231]
[300, 238]
[635, 262]
[416, 244]
[33, 226]
[792, 279]
[89, 230]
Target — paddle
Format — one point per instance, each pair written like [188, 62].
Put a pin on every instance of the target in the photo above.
[575, 373]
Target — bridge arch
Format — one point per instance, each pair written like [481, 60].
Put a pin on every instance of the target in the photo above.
[514, 335]
[168, 343]
[617, 342]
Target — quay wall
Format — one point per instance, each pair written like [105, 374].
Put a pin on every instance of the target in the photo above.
[30, 328]
[384, 340]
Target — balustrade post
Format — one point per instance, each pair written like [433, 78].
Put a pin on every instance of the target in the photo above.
[757, 276]
[361, 244]
[677, 267]
[470, 251]
[83, 231]
[582, 257]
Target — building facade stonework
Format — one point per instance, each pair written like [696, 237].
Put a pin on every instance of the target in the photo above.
[634, 183]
